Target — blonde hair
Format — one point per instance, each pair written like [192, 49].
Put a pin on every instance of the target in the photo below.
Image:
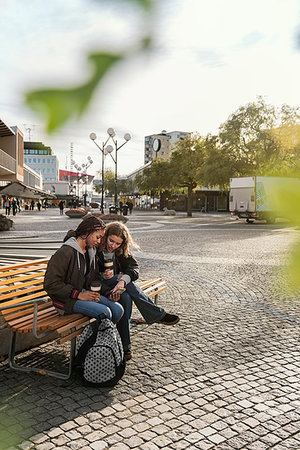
[120, 230]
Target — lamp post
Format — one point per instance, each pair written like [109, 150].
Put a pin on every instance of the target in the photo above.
[83, 175]
[104, 152]
[109, 149]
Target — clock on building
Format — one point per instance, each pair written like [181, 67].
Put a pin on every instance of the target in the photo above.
[156, 145]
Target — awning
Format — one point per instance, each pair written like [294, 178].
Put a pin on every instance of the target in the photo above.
[5, 130]
[18, 189]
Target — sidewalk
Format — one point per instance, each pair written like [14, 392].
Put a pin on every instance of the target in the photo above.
[226, 376]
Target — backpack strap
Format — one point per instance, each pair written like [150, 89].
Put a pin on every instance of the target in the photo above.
[79, 358]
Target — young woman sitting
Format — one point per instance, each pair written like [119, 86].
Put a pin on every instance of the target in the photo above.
[119, 270]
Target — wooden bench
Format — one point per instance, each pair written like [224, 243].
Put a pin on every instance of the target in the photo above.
[25, 307]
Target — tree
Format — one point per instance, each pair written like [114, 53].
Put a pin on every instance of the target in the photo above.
[250, 142]
[124, 186]
[185, 166]
[109, 182]
[154, 179]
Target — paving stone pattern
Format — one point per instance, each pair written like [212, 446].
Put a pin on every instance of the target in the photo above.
[225, 377]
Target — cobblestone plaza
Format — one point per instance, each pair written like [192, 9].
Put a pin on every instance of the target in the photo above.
[225, 377]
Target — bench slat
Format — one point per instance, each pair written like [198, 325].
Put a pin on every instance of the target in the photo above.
[70, 336]
[71, 325]
[13, 287]
[152, 294]
[64, 320]
[28, 310]
[18, 279]
[26, 325]
[148, 283]
[29, 317]
[32, 263]
[22, 292]
[12, 273]
[41, 294]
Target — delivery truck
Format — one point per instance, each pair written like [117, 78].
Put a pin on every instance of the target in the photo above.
[250, 198]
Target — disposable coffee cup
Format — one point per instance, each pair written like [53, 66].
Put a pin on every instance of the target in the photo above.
[95, 286]
[109, 265]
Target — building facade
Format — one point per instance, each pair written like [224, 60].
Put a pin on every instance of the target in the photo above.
[40, 158]
[162, 144]
[11, 154]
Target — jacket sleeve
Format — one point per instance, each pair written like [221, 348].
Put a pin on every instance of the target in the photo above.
[55, 283]
[128, 266]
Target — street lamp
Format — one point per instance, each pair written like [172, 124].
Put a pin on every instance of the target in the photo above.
[104, 152]
[109, 149]
[83, 175]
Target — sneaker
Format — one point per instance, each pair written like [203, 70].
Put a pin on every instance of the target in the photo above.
[128, 355]
[169, 319]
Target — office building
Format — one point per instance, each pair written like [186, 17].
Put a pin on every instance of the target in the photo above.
[40, 158]
[162, 144]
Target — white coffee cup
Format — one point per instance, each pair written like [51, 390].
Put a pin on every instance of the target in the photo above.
[95, 286]
[109, 265]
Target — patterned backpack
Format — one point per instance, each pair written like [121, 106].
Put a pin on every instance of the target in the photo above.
[100, 356]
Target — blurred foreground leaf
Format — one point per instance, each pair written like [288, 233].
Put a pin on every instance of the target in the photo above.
[287, 200]
[293, 274]
[59, 105]
[146, 4]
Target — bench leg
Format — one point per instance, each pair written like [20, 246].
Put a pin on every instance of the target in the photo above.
[60, 375]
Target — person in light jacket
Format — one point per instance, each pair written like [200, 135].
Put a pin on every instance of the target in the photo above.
[116, 246]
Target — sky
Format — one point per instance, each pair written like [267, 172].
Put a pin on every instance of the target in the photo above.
[208, 59]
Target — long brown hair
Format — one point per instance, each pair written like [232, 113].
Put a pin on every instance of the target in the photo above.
[120, 230]
[86, 227]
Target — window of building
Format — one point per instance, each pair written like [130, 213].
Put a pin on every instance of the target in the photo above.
[29, 160]
[25, 160]
[34, 160]
[44, 160]
[48, 170]
[53, 170]
[39, 160]
[48, 160]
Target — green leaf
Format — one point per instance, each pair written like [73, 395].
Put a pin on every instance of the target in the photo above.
[146, 4]
[293, 269]
[286, 200]
[59, 105]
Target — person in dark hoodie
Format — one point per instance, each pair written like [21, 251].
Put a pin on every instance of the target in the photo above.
[71, 270]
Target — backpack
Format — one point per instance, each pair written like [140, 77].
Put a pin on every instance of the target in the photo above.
[100, 355]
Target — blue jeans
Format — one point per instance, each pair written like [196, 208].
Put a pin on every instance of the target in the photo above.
[150, 312]
[112, 310]
[123, 324]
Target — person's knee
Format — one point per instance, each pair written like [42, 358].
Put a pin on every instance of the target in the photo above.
[117, 312]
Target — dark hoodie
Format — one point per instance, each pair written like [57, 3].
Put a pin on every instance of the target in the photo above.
[68, 274]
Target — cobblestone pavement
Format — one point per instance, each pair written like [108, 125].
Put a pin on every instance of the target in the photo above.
[225, 377]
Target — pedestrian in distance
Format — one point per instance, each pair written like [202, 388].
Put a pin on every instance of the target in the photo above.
[14, 206]
[32, 205]
[7, 206]
[61, 207]
[115, 250]
[39, 205]
[73, 268]
[130, 206]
